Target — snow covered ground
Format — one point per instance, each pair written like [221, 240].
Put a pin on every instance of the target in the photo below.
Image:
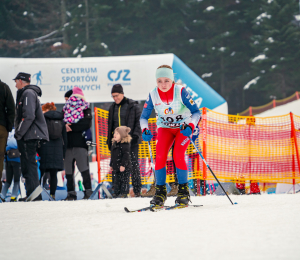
[259, 227]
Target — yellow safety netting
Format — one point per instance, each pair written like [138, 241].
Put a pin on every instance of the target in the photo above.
[237, 148]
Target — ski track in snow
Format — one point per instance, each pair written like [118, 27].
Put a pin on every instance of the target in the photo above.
[259, 227]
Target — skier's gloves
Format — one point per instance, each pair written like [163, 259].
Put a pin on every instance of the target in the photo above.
[186, 130]
[147, 136]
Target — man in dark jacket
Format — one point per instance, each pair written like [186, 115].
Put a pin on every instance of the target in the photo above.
[126, 112]
[31, 129]
[78, 151]
[7, 115]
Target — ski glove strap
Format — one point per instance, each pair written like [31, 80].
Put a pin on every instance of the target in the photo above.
[147, 136]
[186, 130]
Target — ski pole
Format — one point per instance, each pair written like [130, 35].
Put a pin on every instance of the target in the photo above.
[152, 164]
[209, 168]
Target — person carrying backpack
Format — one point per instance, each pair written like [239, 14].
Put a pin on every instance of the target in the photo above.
[13, 168]
[52, 153]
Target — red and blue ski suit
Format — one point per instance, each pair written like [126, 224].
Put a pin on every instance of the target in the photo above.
[173, 108]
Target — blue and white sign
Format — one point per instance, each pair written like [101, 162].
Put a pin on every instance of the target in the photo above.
[96, 76]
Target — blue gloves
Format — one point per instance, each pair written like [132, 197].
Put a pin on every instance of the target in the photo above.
[186, 130]
[147, 136]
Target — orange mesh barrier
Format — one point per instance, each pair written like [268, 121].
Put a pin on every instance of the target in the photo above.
[251, 148]
[103, 153]
[251, 111]
[237, 148]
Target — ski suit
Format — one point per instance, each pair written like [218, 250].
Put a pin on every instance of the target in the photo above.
[173, 108]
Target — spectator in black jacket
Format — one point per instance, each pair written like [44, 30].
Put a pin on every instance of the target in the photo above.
[126, 112]
[30, 129]
[7, 115]
[120, 161]
[52, 153]
[77, 150]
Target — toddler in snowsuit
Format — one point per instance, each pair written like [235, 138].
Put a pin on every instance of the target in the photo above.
[120, 161]
[73, 109]
[13, 168]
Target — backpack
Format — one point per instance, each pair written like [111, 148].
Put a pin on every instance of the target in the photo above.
[54, 128]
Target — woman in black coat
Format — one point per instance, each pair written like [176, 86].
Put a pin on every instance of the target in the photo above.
[52, 153]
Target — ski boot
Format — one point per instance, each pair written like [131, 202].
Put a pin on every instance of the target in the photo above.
[52, 196]
[183, 196]
[160, 195]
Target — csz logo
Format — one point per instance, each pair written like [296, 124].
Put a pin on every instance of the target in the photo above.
[122, 75]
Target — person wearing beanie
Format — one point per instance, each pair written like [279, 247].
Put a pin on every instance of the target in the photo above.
[73, 109]
[120, 162]
[177, 117]
[78, 118]
[126, 112]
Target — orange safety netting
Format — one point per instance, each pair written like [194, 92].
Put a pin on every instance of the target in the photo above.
[237, 148]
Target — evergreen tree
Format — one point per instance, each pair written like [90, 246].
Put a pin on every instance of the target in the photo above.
[277, 48]
[221, 43]
[228, 43]
[22, 23]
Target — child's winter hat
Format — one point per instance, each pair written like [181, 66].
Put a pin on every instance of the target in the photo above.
[123, 131]
[78, 91]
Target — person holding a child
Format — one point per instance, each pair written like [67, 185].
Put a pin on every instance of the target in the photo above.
[78, 119]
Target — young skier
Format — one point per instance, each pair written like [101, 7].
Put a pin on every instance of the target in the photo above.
[177, 116]
[120, 161]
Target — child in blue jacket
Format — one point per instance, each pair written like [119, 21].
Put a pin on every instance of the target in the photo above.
[13, 168]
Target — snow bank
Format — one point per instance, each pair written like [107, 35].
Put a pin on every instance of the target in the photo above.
[259, 227]
[282, 110]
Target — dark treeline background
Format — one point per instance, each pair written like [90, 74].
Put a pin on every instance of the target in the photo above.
[226, 42]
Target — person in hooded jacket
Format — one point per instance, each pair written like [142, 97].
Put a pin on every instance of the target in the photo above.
[120, 160]
[52, 153]
[30, 129]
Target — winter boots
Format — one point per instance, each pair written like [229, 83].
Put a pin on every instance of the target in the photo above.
[160, 196]
[150, 192]
[87, 194]
[71, 196]
[173, 191]
[183, 196]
